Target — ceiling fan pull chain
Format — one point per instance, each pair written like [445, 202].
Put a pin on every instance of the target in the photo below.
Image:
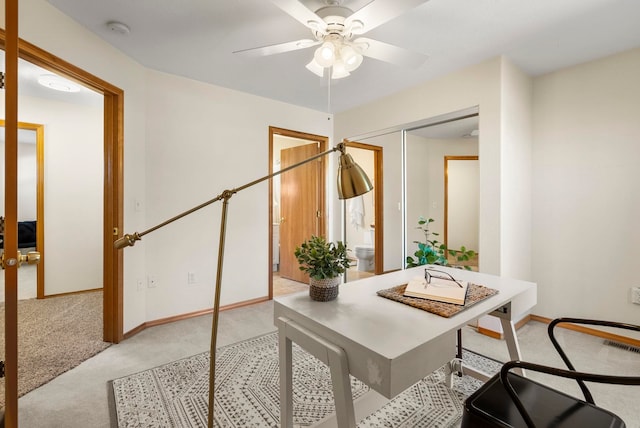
[328, 73]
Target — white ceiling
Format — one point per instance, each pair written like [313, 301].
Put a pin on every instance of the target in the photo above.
[196, 39]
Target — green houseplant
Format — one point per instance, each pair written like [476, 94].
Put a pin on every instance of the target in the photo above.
[432, 252]
[325, 262]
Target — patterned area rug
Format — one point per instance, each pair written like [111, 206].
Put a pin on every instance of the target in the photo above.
[430, 403]
[247, 392]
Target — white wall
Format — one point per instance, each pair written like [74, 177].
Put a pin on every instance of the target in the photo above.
[515, 210]
[463, 200]
[586, 189]
[204, 139]
[27, 178]
[27, 181]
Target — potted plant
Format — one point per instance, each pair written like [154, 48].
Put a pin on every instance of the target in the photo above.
[325, 262]
[432, 252]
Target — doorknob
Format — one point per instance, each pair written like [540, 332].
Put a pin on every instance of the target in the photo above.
[282, 220]
[32, 258]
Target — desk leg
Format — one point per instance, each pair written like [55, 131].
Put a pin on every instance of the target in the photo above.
[286, 376]
[511, 339]
[342, 396]
[453, 366]
[325, 351]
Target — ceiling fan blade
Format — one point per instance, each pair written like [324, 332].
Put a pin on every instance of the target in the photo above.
[389, 53]
[379, 12]
[302, 14]
[278, 48]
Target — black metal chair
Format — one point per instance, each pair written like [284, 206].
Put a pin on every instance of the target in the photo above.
[511, 400]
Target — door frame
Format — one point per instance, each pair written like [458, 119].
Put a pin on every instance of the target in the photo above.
[378, 201]
[113, 217]
[312, 138]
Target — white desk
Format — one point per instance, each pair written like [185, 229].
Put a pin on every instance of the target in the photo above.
[386, 344]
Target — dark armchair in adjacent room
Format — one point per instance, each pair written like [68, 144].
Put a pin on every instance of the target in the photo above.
[511, 400]
[26, 234]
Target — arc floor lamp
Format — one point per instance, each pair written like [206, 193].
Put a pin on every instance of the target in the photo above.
[352, 182]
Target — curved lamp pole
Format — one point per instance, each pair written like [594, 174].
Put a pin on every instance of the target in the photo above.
[352, 182]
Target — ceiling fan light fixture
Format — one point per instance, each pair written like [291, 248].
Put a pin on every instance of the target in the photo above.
[339, 71]
[315, 68]
[350, 58]
[325, 55]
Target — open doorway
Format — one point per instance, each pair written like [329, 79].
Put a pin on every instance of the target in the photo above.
[365, 217]
[112, 200]
[297, 204]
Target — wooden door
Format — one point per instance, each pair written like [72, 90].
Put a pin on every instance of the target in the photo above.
[300, 206]
[10, 237]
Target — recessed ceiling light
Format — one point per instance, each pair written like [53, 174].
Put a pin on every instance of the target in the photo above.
[118, 27]
[58, 83]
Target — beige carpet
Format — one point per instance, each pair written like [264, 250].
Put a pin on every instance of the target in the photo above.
[54, 335]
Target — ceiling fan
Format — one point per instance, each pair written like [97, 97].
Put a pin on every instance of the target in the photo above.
[336, 30]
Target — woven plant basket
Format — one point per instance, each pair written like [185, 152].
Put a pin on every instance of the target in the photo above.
[324, 290]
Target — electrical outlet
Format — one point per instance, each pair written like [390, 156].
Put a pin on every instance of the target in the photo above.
[635, 295]
[152, 282]
[191, 278]
[140, 284]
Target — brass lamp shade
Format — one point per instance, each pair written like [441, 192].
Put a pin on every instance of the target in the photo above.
[352, 180]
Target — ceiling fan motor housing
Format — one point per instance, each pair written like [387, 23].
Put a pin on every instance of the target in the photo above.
[326, 11]
[334, 18]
